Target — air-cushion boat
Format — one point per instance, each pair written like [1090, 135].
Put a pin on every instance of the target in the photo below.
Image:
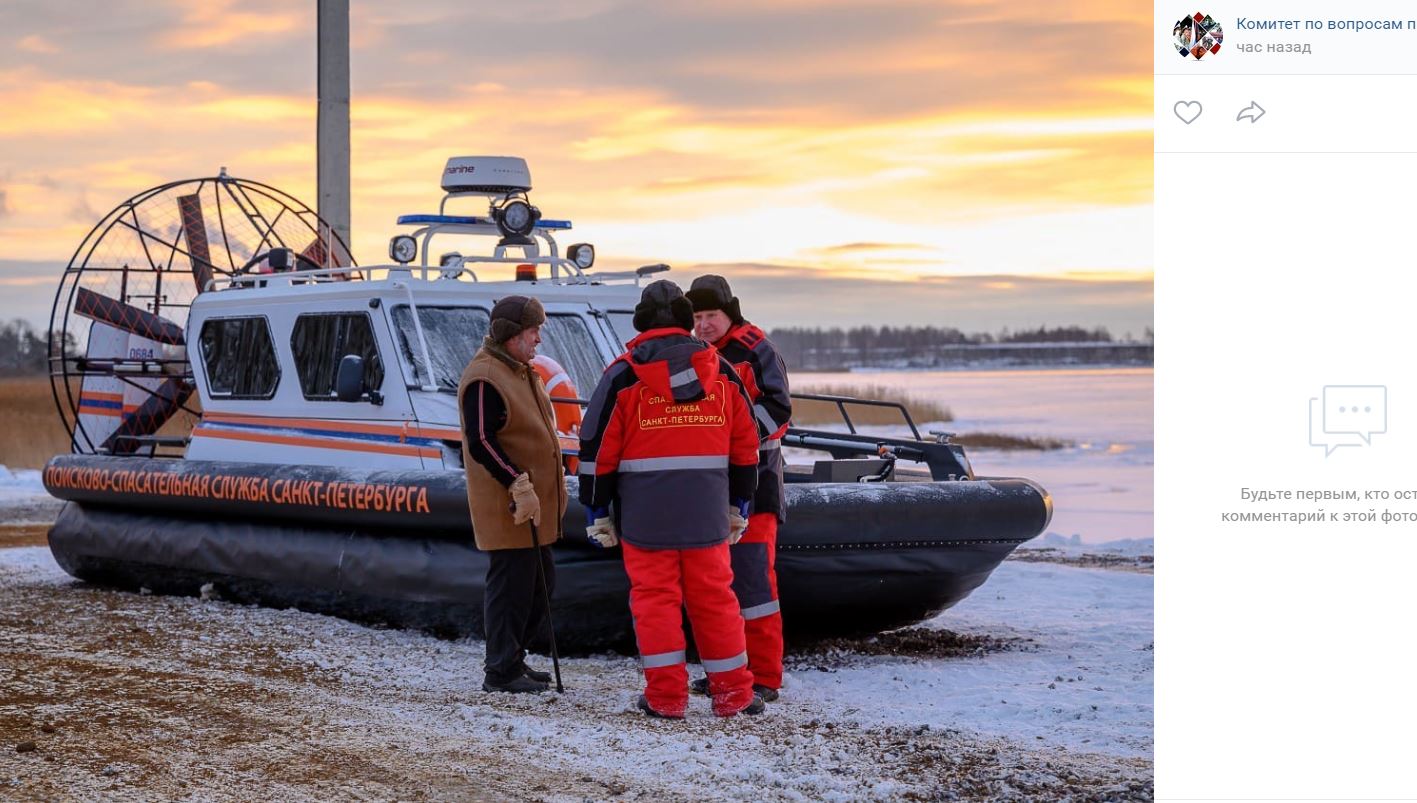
[252, 411]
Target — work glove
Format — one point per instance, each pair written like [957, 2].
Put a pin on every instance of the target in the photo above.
[737, 521]
[525, 505]
[600, 529]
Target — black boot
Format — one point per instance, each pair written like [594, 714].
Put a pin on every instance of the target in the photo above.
[701, 686]
[536, 674]
[643, 705]
[756, 707]
[521, 684]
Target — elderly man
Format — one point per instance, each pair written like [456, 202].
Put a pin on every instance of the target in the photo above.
[718, 320]
[515, 487]
[669, 437]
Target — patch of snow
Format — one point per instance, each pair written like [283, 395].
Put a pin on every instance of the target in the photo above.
[1074, 545]
[32, 565]
[23, 483]
[1085, 681]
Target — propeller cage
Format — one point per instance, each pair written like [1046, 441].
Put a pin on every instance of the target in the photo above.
[118, 353]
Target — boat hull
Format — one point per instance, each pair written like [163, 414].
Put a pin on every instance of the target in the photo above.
[851, 558]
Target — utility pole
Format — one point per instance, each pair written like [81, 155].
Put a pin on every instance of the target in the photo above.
[332, 118]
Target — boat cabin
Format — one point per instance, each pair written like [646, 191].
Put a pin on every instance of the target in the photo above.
[270, 350]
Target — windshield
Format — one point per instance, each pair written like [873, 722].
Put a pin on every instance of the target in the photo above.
[623, 324]
[454, 335]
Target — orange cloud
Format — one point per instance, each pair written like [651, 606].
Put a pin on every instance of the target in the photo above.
[36, 105]
[1012, 165]
[34, 43]
[217, 23]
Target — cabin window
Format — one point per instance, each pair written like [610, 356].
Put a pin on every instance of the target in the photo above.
[454, 334]
[567, 340]
[240, 358]
[320, 340]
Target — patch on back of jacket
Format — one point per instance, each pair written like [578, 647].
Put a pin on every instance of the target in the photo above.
[657, 411]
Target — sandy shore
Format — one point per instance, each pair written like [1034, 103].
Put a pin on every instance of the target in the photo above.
[121, 696]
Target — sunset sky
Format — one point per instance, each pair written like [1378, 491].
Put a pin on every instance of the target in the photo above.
[958, 162]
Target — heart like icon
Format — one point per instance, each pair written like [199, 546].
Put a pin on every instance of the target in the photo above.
[1187, 110]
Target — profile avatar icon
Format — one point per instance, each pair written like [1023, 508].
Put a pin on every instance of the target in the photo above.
[1197, 35]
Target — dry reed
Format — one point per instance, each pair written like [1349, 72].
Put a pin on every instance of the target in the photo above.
[32, 433]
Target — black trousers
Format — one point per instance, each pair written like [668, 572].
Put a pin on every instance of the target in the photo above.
[514, 611]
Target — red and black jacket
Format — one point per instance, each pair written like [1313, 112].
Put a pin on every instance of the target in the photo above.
[669, 436]
[764, 374]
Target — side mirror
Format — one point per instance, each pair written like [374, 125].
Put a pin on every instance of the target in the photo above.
[349, 379]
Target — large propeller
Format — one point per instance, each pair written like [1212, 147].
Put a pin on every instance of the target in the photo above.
[118, 349]
[126, 367]
[128, 318]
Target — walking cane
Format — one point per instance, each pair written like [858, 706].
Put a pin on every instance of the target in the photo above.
[546, 597]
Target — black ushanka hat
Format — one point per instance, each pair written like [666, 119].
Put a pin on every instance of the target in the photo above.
[663, 304]
[710, 292]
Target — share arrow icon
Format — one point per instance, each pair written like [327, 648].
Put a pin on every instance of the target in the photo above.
[1252, 112]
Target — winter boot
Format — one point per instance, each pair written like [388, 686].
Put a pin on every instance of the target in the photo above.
[643, 705]
[727, 705]
[768, 695]
[521, 684]
[723, 709]
[701, 687]
[536, 674]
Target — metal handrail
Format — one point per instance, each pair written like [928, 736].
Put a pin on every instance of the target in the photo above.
[336, 274]
[842, 401]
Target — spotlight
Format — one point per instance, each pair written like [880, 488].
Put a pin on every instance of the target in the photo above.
[515, 220]
[583, 254]
[402, 249]
[451, 263]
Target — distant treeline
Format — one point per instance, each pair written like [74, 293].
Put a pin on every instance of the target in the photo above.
[24, 350]
[941, 346]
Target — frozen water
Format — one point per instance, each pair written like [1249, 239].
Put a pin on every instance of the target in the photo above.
[1101, 486]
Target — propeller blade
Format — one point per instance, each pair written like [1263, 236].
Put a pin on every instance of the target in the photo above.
[194, 228]
[318, 252]
[165, 400]
[128, 318]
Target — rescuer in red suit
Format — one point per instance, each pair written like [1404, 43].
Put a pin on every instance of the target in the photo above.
[719, 321]
[669, 438]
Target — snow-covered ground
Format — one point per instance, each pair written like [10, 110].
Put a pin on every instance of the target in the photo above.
[1101, 486]
[1083, 680]
[19, 484]
[23, 499]
[148, 691]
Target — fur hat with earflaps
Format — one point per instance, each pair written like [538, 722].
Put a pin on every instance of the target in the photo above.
[513, 315]
[710, 292]
[662, 304]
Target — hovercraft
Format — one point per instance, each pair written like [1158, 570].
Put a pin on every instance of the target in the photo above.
[253, 411]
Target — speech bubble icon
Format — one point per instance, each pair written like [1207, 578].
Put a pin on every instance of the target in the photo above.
[1330, 443]
[1355, 409]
